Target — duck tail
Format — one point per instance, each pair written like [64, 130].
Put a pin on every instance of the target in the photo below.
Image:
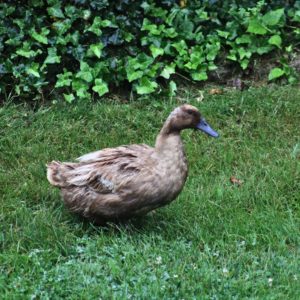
[55, 173]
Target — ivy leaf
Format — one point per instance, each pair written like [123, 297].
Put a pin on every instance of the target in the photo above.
[146, 86]
[275, 40]
[185, 26]
[224, 34]
[156, 51]
[213, 50]
[85, 75]
[167, 71]
[296, 17]
[95, 28]
[142, 62]
[62, 27]
[128, 37]
[6, 9]
[27, 52]
[244, 63]
[81, 89]
[152, 70]
[85, 72]
[69, 97]
[96, 49]
[83, 93]
[15, 41]
[289, 48]
[275, 73]
[108, 23]
[232, 55]
[181, 47]
[72, 12]
[256, 27]
[100, 87]
[55, 11]
[244, 53]
[201, 75]
[133, 75]
[203, 15]
[63, 79]
[263, 49]
[100, 67]
[72, 38]
[52, 57]
[33, 70]
[170, 32]
[244, 39]
[212, 66]
[152, 28]
[273, 17]
[40, 37]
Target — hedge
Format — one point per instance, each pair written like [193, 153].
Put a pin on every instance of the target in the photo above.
[81, 48]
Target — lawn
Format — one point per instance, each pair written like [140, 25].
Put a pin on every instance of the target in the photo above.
[218, 240]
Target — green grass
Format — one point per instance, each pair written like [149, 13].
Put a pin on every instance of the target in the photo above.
[216, 241]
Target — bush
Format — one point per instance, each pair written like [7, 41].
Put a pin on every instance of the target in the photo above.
[78, 48]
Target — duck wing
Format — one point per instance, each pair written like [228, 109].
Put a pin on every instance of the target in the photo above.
[108, 170]
[114, 153]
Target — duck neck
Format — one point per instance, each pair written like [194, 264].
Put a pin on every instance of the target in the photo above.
[168, 140]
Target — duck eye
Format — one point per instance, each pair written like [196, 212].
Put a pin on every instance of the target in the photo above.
[190, 112]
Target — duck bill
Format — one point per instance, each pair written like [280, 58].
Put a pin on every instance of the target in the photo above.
[204, 126]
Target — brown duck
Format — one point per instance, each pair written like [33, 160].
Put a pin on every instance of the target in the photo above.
[127, 181]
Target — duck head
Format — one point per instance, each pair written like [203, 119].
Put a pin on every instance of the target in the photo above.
[187, 116]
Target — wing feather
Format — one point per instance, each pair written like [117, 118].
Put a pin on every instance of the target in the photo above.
[113, 152]
[103, 171]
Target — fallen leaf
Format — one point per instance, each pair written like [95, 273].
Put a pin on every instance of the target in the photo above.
[215, 92]
[236, 181]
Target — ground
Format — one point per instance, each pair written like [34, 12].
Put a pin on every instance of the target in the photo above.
[233, 233]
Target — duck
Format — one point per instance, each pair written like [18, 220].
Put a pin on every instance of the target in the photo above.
[129, 181]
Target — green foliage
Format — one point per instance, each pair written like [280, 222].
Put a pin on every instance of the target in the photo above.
[84, 47]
